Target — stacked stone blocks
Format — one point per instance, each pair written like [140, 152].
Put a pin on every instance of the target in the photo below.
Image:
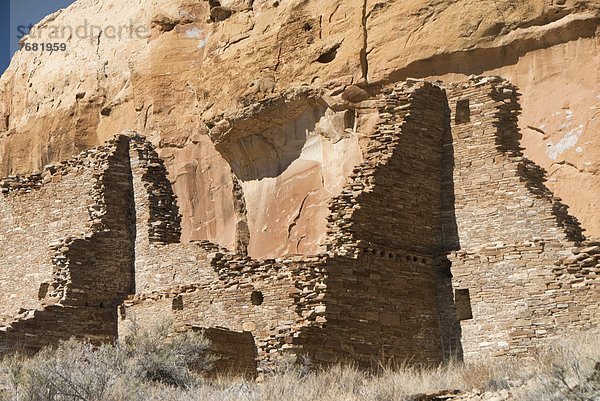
[443, 243]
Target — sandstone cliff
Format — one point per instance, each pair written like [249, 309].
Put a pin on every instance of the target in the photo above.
[258, 107]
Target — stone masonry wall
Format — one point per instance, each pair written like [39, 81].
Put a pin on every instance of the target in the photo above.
[393, 197]
[31, 219]
[271, 299]
[236, 352]
[160, 260]
[385, 228]
[198, 284]
[377, 309]
[522, 296]
[371, 299]
[518, 273]
[92, 269]
[128, 210]
[499, 194]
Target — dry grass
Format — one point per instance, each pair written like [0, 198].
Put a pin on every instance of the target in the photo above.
[147, 369]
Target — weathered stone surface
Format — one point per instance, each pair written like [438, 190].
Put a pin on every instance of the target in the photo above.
[292, 188]
[442, 200]
[78, 264]
[201, 63]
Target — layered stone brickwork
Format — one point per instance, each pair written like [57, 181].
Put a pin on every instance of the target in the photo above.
[376, 311]
[368, 300]
[500, 193]
[517, 270]
[537, 297]
[393, 197]
[443, 243]
[160, 260]
[271, 299]
[31, 217]
[92, 266]
[385, 231]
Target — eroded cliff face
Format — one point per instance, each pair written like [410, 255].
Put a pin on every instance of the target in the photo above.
[259, 107]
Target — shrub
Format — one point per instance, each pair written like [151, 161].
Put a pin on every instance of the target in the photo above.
[158, 357]
[153, 366]
[79, 371]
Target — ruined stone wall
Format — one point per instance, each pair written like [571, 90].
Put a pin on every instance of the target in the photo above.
[393, 198]
[371, 309]
[499, 194]
[271, 299]
[444, 221]
[518, 278]
[378, 309]
[522, 295]
[161, 261]
[158, 219]
[92, 269]
[102, 265]
[385, 226]
[31, 219]
[198, 284]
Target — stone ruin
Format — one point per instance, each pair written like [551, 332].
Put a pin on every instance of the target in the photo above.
[443, 243]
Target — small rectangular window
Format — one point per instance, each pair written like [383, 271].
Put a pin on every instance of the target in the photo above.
[43, 291]
[462, 303]
[122, 312]
[178, 303]
[463, 112]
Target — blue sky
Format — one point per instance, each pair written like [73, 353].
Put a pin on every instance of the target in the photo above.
[16, 13]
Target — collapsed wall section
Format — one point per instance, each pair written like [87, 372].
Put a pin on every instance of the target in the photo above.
[368, 300]
[92, 268]
[272, 300]
[34, 212]
[384, 232]
[519, 279]
[199, 285]
[393, 199]
[161, 261]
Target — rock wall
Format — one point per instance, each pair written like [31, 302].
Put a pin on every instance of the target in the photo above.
[34, 214]
[444, 241]
[92, 269]
[559, 97]
[192, 69]
[537, 299]
[157, 223]
[513, 233]
[498, 193]
[129, 213]
[241, 294]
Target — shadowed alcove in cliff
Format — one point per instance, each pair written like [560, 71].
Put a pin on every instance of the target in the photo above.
[267, 143]
[287, 160]
[254, 155]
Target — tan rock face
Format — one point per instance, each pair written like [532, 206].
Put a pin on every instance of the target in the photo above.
[560, 124]
[255, 105]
